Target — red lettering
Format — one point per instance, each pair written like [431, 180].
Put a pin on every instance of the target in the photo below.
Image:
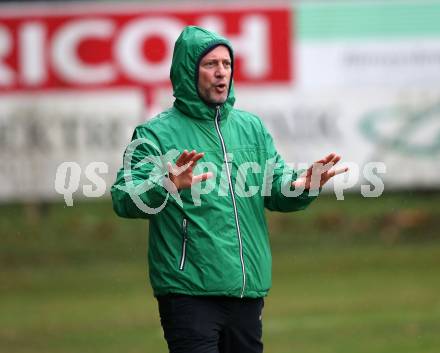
[97, 47]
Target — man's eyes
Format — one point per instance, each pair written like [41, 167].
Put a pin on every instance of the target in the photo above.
[214, 63]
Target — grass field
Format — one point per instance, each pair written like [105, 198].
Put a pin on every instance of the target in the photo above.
[362, 275]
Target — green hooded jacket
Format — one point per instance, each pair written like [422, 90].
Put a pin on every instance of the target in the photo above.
[211, 239]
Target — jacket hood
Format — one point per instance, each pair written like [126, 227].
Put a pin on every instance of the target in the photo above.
[192, 44]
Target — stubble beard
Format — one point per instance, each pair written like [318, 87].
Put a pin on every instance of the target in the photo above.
[212, 98]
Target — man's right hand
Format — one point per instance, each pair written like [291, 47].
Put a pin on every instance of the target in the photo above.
[181, 174]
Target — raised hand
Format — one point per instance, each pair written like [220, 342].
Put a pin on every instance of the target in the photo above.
[181, 174]
[319, 173]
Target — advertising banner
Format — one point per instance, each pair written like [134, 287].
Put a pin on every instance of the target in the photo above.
[75, 79]
[361, 80]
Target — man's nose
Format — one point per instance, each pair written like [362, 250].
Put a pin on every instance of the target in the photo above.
[221, 70]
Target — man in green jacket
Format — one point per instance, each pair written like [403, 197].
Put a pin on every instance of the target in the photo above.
[203, 173]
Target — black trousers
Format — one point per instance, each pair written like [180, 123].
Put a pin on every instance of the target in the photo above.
[198, 324]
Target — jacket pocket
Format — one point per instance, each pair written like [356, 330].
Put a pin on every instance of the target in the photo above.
[184, 242]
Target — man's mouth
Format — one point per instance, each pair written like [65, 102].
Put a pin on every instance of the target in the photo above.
[221, 87]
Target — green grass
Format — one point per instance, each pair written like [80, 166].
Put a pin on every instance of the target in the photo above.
[355, 276]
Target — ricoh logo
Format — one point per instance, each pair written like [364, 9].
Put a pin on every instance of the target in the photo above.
[107, 46]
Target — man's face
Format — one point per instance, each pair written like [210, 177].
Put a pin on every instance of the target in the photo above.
[214, 75]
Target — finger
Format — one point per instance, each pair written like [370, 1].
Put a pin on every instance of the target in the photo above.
[330, 164]
[341, 170]
[326, 159]
[197, 157]
[188, 157]
[170, 168]
[335, 159]
[299, 183]
[332, 173]
[330, 157]
[327, 166]
[201, 177]
[306, 173]
[182, 158]
[183, 168]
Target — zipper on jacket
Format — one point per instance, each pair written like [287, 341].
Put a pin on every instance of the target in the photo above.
[184, 241]
[228, 172]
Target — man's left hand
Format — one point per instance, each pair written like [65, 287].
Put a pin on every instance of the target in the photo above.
[319, 173]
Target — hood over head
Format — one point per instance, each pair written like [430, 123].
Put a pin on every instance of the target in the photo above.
[191, 46]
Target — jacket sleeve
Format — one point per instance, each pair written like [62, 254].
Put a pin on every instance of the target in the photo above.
[283, 176]
[138, 189]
